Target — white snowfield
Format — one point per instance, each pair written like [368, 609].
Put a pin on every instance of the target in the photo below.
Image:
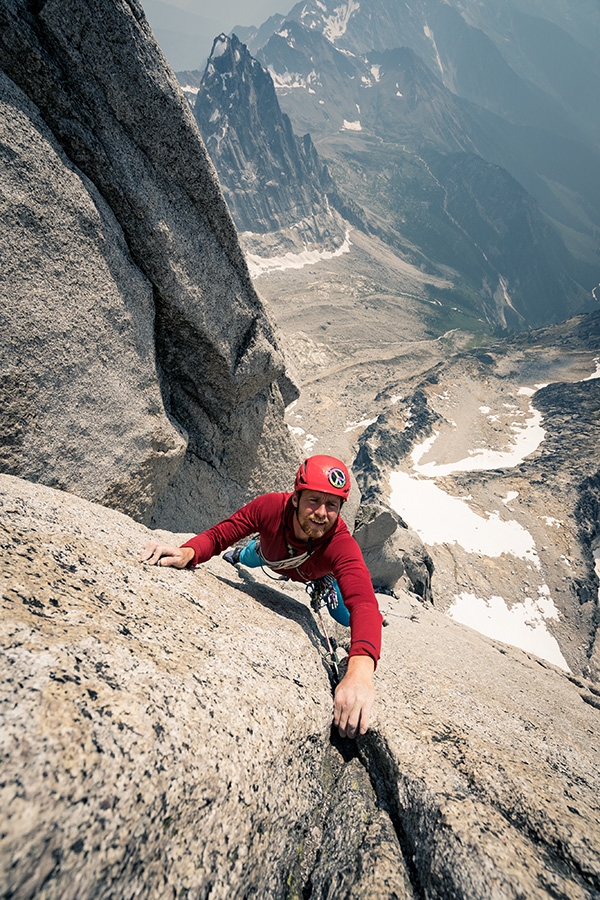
[415, 495]
[527, 437]
[336, 25]
[595, 374]
[259, 265]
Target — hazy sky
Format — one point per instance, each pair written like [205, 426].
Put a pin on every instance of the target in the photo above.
[185, 29]
[235, 12]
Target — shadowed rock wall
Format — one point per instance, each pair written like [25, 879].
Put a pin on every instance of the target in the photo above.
[166, 733]
[139, 366]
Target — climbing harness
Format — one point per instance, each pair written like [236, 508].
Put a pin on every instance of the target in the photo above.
[290, 562]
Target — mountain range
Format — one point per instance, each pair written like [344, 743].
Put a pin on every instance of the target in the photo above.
[442, 128]
[451, 171]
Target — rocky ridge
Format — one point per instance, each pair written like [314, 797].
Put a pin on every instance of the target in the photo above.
[464, 167]
[169, 732]
[273, 181]
[140, 368]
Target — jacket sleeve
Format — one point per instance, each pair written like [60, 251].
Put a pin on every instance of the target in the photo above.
[356, 588]
[244, 522]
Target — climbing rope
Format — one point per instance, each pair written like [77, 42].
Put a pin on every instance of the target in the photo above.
[318, 592]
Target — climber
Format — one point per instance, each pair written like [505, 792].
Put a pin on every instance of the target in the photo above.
[302, 536]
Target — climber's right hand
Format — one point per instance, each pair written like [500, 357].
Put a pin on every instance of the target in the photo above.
[158, 554]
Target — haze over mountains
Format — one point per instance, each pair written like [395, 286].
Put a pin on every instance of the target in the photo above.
[410, 175]
[471, 161]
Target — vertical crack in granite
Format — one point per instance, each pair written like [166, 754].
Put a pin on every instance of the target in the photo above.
[350, 847]
[420, 825]
[363, 853]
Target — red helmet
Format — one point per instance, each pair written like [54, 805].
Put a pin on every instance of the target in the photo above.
[325, 474]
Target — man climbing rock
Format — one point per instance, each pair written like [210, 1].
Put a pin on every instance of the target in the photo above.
[301, 536]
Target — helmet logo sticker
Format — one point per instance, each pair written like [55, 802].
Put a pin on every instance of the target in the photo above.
[336, 478]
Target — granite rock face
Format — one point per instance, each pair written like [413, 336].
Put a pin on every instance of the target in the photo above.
[140, 368]
[167, 733]
[395, 555]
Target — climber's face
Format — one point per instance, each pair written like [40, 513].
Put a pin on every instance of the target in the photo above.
[316, 514]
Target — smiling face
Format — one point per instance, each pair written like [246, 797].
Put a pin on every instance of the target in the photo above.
[316, 514]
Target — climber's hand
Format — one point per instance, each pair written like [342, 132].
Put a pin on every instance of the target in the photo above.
[157, 554]
[354, 697]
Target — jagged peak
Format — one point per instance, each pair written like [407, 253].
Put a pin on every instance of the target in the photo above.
[230, 57]
[229, 46]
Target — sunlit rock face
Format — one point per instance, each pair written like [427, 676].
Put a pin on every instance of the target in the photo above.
[395, 555]
[139, 366]
[168, 733]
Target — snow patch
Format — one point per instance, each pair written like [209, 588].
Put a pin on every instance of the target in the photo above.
[429, 35]
[553, 523]
[439, 518]
[220, 47]
[523, 625]
[596, 374]
[351, 126]
[309, 443]
[376, 72]
[259, 265]
[289, 80]
[337, 24]
[354, 425]
[527, 437]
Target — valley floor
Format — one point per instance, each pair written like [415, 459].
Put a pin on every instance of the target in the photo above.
[486, 491]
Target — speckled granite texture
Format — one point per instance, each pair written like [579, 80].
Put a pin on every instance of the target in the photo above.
[167, 734]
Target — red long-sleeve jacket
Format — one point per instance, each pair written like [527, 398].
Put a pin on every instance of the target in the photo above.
[271, 515]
